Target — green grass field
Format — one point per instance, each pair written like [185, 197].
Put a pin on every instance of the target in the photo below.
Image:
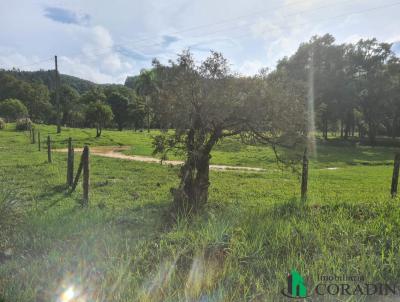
[253, 231]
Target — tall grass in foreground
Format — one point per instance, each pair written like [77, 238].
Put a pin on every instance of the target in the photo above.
[234, 255]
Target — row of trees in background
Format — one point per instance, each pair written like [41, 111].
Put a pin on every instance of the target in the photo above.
[352, 88]
[100, 106]
[356, 92]
[356, 86]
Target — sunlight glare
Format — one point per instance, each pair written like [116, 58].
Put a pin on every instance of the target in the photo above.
[68, 295]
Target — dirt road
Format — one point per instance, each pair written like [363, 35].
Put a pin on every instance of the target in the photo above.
[115, 152]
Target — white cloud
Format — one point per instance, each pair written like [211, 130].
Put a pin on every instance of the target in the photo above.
[393, 39]
[249, 33]
[281, 37]
[98, 60]
[266, 29]
[301, 4]
[353, 38]
[9, 59]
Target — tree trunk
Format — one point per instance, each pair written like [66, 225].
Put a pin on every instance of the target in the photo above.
[33, 136]
[49, 149]
[202, 180]
[70, 163]
[395, 176]
[192, 193]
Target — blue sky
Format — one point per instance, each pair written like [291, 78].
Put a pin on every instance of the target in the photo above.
[104, 41]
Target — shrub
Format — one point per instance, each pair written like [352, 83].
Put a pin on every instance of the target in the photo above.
[24, 124]
[13, 109]
[2, 124]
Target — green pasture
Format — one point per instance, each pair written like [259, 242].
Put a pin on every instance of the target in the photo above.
[125, 246]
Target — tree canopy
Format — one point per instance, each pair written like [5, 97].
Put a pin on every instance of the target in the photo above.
[356, 91]
[205, 103]
[99, 115]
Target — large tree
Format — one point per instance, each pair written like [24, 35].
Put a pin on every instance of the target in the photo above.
[392, 105]
[145, 88]
[367, 63]
[136, 115]
[321, 64]
[119, 105]
[68, 101]
[206, 103]
[99, 115]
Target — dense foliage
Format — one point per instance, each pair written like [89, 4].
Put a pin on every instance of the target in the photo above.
[23, 94]
[99, 115]
[13, 109]
[356, 86]
[46, 77]
[356, 91]
[34, 96]
[206, 103]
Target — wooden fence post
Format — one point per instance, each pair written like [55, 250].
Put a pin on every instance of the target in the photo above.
[78, 174]
[48, 149]
[38, 139]
[70, 163]
[304, 176]
[33, 136]
[395, 177]
[85, 183]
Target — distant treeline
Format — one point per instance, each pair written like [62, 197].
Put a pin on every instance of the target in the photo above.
[47, 78]
[356, 86]
[356, 91]
[83, 103]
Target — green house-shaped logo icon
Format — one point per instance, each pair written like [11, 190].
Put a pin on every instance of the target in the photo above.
[296, 287]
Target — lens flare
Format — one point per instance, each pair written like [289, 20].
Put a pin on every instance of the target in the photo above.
[68, 294]
[312, 146]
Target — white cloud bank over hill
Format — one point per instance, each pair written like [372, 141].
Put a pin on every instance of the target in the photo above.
[105, 41]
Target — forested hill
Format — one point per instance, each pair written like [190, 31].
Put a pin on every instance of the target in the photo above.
[46, 77]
